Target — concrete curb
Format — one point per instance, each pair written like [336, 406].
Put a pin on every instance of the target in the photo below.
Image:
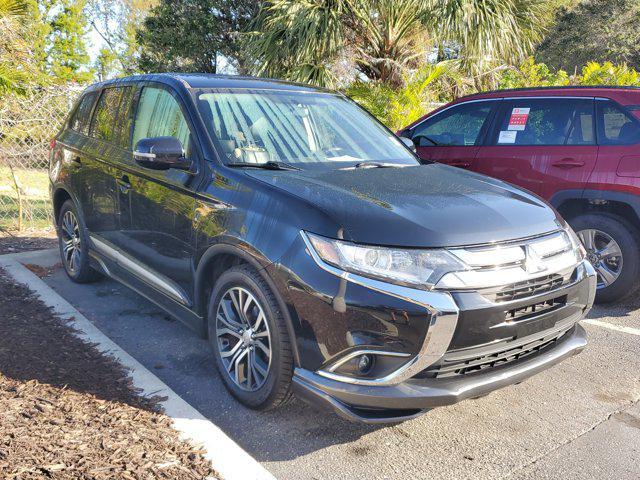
[226, 456]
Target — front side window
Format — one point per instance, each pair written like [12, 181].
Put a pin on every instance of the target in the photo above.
[159, 115]
[545, 121]
[458, 125]
[103, 125]
[296, 127]
[80, 120]
[616, 127]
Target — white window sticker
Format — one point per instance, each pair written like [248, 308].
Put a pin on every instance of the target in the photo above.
[518, 119]
[507, 136]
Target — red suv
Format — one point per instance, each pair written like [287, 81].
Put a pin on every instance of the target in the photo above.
[577, 147]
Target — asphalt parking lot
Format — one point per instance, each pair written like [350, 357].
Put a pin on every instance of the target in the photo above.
[579, 420]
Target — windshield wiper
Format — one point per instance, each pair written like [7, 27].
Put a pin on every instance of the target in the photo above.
[373, 165]
[266, 165]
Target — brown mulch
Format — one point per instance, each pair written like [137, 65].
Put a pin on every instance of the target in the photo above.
[27, 241]
[68, 411]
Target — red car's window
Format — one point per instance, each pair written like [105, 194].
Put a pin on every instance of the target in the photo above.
[545, 121]
[458, 125]
[615, 126]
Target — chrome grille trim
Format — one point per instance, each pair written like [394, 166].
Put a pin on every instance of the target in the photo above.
[532, 288]
[505, 264]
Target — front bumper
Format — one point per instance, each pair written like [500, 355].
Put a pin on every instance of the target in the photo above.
[409, 391]
[410, 398]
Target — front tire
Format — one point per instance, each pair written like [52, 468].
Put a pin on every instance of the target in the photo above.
[73, 241]
[613, 249]
[248, 334]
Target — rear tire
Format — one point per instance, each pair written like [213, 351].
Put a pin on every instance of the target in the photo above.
[618, 273]
[73, 242]
[240, 341]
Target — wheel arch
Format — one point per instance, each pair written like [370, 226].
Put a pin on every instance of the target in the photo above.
[60, 196]
[571, 203]
[219, 258]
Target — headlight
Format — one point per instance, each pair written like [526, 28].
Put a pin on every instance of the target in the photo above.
[581, 252]
[419, 268]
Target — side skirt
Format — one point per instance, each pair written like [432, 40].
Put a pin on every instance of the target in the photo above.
[114, 270]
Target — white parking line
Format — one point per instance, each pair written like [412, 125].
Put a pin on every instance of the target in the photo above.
[226, 456]
[611, 326]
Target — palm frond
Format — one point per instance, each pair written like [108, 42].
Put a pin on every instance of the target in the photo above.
[14, 8]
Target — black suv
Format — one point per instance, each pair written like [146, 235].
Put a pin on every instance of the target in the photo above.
[311, 247]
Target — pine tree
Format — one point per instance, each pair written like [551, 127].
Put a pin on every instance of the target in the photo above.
[67, 57]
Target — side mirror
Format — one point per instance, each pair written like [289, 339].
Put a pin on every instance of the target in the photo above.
[161, 153]
[408, 143]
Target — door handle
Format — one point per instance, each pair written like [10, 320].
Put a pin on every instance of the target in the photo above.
[568, 163]
[123, 184]
[460, 163]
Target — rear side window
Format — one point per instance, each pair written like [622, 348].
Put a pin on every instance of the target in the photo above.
[458, 125]
[103, 125]
[82, 116]
[159, 115]
[615, 126]
[545, 121]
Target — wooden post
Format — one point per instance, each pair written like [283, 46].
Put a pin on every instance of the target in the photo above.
[20, 193]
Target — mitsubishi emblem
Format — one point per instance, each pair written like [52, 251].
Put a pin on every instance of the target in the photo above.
[533, 263]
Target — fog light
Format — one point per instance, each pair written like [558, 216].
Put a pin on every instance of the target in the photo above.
[364, 363]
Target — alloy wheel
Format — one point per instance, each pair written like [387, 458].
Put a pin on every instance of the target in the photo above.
[71, 242]
[244, 341]
[604, 253]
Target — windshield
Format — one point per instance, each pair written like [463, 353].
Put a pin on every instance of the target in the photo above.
[259, 126]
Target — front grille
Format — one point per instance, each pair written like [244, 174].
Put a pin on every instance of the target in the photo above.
[528, 288]
[535, 309]
[455, 363]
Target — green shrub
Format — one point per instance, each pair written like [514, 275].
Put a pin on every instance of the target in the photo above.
[608, 74]
[438, 83]
[423, 90]
[531, 74]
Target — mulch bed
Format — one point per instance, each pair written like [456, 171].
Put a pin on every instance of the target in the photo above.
[68, 411]
[26, 241]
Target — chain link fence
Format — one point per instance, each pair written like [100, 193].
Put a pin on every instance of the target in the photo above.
[27, 124]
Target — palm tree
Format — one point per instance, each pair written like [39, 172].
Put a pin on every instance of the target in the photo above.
[303, 39]
[13, 48]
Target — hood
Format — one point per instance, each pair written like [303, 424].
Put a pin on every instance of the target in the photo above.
[430, 205]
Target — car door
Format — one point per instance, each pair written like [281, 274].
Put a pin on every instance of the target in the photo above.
[156, 236]
[452, 135]
[96, 185]
[75, 144]
[619, 146]
[545, 145]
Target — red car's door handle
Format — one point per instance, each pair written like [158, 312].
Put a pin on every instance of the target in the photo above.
[568, 163]
[459, 163]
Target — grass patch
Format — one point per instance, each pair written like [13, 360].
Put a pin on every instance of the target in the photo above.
[36, 206]
[34, 182]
